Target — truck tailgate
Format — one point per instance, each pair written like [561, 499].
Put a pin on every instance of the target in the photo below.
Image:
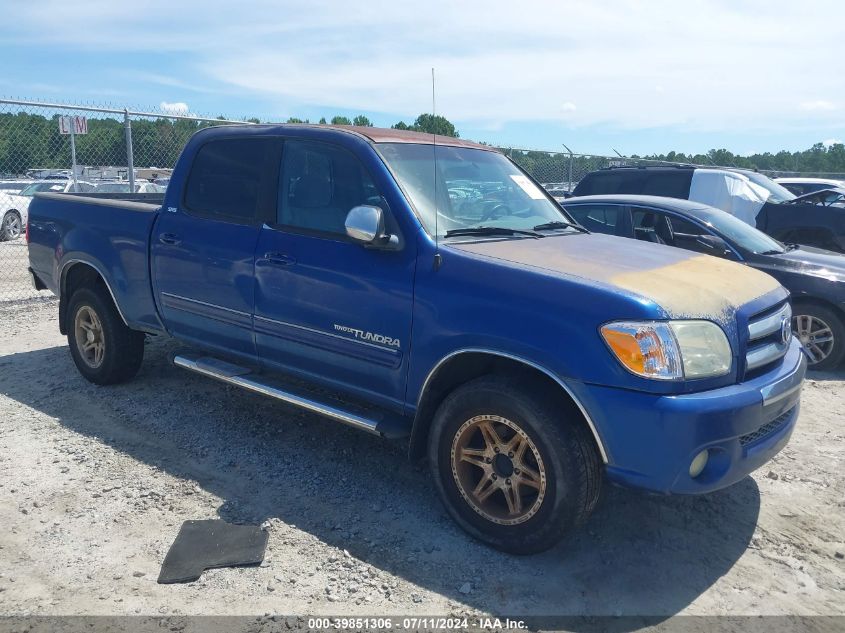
[109, 235]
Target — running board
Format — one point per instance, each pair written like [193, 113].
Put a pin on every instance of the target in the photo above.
[246, 378]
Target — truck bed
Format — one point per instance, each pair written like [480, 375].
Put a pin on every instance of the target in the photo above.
[110, 234]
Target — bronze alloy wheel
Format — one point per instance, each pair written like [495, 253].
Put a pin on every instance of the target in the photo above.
[90, 340]
[498, 469]
[815, 335]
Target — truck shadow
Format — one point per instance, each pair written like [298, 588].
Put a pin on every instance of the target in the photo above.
[638, 554]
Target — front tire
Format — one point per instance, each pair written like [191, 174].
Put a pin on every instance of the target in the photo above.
[103, 348]
[11, 227]
[513, 469]
[821, 332]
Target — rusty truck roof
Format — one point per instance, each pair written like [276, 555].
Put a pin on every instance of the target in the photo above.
[389, 135]
[375, 134]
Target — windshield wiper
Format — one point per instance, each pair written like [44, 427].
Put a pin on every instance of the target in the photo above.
[788, 246]
[558, 224]
[491, 230]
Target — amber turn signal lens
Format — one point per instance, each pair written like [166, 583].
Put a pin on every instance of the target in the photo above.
[647, 348]
[627, 349]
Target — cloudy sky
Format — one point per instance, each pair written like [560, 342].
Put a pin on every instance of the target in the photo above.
[635, 76]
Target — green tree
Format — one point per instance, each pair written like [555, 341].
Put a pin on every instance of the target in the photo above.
[362, 121]
[435, 124]
[432, 124]
[30, 141]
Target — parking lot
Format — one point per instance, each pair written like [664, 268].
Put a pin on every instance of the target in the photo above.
[95, 482]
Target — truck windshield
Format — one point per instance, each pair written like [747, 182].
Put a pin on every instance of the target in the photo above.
[474, 188]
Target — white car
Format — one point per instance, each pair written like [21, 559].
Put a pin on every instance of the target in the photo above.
[11, 187]
[801, 186]
[123, 187]
[14, 207]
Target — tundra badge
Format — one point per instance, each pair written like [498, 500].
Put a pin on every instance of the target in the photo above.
[368, 337]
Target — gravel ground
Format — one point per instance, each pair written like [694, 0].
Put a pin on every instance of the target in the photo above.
[15, 282]
[95, 482]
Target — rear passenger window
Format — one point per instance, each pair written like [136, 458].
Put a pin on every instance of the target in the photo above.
[226, 179]
[670, 184]
[651, 225]
[598, 218]
[609, 182]
[319, 185]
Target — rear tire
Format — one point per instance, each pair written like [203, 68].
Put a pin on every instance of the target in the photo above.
[523, 486]
[11, 227]
[821, 332]
[103, 348]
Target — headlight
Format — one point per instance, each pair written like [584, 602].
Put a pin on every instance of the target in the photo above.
[669, 350]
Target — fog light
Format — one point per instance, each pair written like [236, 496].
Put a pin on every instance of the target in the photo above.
[698, 463]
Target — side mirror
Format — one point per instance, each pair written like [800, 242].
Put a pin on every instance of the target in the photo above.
[365, 224]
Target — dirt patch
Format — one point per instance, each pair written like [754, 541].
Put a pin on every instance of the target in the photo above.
[682, 283]
[701, 287]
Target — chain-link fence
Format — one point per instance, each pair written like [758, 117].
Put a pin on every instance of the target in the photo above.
[560, 172]
[117, 150]
[110, 150]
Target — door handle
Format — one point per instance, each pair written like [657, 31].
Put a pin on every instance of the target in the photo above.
[278, 259]
[169, 238]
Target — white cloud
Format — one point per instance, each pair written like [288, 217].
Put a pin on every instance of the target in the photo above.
[818, 105]
[831, 141]
[177, 107]
[695, 65]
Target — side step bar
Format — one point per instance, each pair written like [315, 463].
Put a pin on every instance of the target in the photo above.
[245, 378]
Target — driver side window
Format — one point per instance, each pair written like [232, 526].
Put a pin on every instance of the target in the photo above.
[598, 218]
[318, 186]
[664, 228]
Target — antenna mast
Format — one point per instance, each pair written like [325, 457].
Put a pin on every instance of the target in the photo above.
[438, 260]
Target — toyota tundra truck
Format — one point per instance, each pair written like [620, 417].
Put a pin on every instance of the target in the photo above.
[426, 288]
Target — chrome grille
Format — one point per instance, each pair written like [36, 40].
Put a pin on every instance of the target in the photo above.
[765, 430]
[766, 340]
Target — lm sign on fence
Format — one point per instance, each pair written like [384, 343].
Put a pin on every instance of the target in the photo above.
[73, 125]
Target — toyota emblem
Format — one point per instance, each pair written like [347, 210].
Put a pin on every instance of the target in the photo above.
[785, 330]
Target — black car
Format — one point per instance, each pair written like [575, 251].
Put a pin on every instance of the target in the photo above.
[830, 197]
[746, 194]
[814, 277]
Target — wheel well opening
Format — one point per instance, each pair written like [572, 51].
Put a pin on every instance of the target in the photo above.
[797, 302]
[462, 368]
[79, 275]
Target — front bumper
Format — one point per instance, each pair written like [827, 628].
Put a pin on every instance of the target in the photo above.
[651, 440]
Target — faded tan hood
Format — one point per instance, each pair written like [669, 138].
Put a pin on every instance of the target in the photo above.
[683, 283]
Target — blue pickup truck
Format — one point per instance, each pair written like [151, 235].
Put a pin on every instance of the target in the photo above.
[426, 288]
